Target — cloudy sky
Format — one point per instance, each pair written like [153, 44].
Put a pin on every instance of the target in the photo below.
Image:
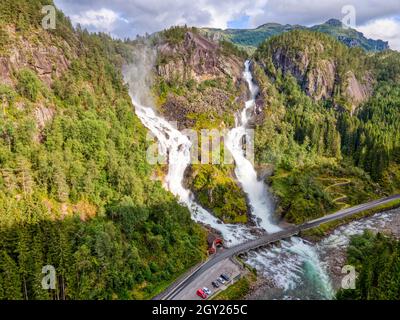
[127, 18]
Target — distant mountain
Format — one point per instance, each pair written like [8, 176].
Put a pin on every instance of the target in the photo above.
[350, 37]
[252, 38]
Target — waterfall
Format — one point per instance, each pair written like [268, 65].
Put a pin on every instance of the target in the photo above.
[256, 191]
[176, 147]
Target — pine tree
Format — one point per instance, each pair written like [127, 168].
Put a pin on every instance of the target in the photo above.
[12, 286]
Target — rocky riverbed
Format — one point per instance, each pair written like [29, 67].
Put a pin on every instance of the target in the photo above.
[332, 253]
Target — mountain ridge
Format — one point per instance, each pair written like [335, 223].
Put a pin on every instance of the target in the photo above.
[252, 38]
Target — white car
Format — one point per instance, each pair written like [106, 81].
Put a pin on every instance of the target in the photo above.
[207, 291]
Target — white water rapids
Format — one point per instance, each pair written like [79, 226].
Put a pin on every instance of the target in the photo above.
[292, 263]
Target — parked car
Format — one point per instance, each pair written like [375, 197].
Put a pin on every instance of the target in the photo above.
[201, 294]
[207, 291]
[215, 284]
[221, 281]
[225, 277]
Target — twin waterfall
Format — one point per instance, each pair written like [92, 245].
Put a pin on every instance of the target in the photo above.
[176, 147]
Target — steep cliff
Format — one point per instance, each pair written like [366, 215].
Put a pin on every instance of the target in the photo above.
[197, 77]
[324, 68]
[250, 39]
[327, 123]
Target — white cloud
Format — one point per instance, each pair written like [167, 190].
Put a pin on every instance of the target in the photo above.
[102, 20]
[309, 12]
[130, 17]
[385, 29]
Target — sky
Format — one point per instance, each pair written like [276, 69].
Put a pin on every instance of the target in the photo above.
[377, 19]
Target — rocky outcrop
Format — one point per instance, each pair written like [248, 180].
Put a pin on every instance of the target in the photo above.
[207, 80]
[319, 77]
[196, 58]
[47, 58]
[201, 87]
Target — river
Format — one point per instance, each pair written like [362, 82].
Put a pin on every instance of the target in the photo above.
[286, 269]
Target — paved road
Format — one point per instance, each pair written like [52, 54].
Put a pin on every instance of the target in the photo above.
[205, 279]
[178, 286]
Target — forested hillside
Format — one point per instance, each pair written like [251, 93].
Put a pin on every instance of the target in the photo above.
[377, 261]
[76, 190]
[330, 123]
[75, 187]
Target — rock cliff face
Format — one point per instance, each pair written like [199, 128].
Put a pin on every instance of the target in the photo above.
[320, 74]
[196, 79]
[197, 58]
[48, 59]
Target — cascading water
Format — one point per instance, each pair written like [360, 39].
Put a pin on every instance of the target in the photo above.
[295, 261]
[260, 202]
[174, 145]
[291, 263]
[299, 272]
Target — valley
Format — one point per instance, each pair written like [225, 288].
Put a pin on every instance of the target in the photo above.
[118, 158]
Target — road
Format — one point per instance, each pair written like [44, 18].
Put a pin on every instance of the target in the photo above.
[186, 280]
[205, 279]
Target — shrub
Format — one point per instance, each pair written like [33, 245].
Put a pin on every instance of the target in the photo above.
[29, 85]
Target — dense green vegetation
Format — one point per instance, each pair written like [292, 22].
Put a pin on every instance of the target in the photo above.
[326, 155]
[349, 36]
[372, 138]
[228, 48]
[75, 190]
[376, 259]
[216, 190]
[213, 185]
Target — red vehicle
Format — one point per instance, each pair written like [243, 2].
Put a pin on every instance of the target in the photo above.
[201, 294]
